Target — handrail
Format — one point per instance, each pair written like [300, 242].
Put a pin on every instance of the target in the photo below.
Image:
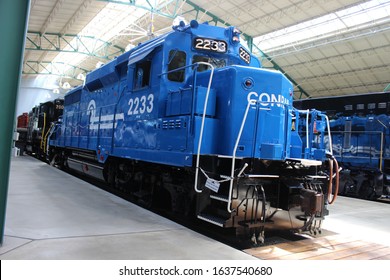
[307, 112]
[250, 103]
[184, 67]
[46, 137]
[307, 129]
[329, 134]
[381, 154]
[202, 125]
[41, 145]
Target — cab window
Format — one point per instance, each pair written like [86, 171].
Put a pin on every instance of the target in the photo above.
[176, 60]
[142, 74]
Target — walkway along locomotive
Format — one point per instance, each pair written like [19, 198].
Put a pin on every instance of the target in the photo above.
[360, 126]
[189, 122]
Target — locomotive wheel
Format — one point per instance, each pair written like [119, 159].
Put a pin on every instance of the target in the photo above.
[347, 185]
[57, 161]
[54, 160]
[387, 190]
[366, 191]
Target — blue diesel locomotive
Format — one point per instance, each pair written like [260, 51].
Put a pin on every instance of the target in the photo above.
[190, 122]
[360, 126]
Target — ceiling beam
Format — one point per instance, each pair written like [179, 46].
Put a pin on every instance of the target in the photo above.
[338, 37]
[56, 42]
[83, 6]
[352, 73]
[277, 67]
[76, 16]
[52, 16]
[52, 68]
[349, 89]
[161, 10]
[341, 57]
[198, 9]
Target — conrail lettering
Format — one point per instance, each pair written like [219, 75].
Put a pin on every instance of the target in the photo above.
[266, 99]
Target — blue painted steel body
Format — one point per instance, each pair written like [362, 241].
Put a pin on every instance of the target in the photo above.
[267, 128]
[360, 140]
[133, 107]
[190, 122]
[364, 145]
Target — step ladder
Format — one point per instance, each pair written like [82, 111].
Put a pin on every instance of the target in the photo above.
[228, 219]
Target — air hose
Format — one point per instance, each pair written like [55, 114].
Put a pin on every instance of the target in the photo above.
[333, 161]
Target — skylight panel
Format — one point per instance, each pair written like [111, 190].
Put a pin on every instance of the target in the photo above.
[364, 13]
[325, 26]
[104, 26]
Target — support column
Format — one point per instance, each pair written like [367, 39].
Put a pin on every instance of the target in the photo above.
[13, 25]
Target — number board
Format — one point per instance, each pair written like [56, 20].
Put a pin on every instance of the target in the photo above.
[244, 55]
[213, 45]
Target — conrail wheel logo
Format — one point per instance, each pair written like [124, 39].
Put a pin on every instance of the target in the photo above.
[267, 99]
[91, 108]
[99, 121]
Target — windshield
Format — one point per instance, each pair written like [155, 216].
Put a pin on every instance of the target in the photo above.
[216, 62]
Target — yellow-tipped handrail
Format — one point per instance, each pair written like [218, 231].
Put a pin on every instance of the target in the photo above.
[43, 131]
[45, 138]
[381, 153]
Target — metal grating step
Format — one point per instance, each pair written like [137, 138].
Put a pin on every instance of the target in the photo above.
[220, 197]
[212, 219]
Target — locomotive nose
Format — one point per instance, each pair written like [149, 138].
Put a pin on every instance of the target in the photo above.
[267, 122]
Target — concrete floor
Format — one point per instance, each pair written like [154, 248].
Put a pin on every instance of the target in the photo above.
[366, 220]
[53, 215]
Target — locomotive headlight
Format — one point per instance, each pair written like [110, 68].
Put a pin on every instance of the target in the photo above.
[233, 33]
[236, 35]
[179, 21]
